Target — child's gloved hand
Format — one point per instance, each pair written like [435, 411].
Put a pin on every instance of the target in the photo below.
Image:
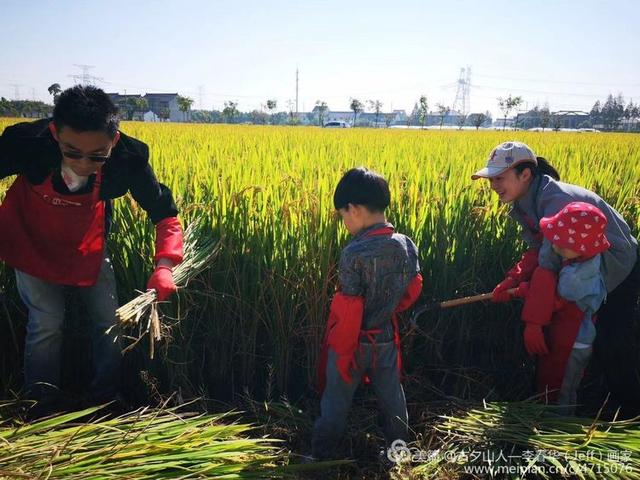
[162, 282]
[534, 340]
[500, 293]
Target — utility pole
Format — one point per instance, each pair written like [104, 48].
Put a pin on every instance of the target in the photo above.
[296, 91]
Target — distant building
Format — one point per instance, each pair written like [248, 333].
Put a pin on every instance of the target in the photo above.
[570, 119]
[533, 119]
[330, 116]
[450, 119]
[123, 103]
[363, 119]
[397, 117]
[504, 123]
[163, 105]
[150, 117]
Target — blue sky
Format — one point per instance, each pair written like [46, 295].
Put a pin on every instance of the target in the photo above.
[567, 53]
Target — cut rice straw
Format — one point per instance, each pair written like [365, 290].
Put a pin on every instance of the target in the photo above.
[199, 253]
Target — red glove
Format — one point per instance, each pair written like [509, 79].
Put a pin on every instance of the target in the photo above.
[520, 272]
[169, 240]
[162, 282]
[500, 294]
[540, 299]
[534, 340]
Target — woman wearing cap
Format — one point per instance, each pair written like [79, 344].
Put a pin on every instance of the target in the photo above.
[531, 185]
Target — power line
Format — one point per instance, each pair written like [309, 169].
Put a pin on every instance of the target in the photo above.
[567, 82]
[526, 90]
[542, 92]
[566, 106]
[148, 88]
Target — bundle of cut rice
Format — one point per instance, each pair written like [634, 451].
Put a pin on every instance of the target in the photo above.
[200, 251]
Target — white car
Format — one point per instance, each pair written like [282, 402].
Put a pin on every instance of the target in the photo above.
[337, 124]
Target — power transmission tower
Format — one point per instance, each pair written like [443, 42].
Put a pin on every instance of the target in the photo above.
[467, 91]
[461, 104]
[296, 92]
[16, 90]
[85, 78]
[200, 95]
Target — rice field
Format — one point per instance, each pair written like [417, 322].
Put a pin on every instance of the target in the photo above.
[250, 323]
[254, 318]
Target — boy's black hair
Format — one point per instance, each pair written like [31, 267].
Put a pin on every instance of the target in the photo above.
[85, 108]
[361, 186]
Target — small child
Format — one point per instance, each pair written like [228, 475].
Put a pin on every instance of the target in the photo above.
[378, 277]
[576, 234]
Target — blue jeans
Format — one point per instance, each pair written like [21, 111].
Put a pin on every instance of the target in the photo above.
[338, 395]
[46, 304]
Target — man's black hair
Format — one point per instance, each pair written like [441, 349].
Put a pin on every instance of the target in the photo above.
[85, 108]
[361, 186]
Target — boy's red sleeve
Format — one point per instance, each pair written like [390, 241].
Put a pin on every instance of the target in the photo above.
[345, 322]
[411, 294]
[343, 333]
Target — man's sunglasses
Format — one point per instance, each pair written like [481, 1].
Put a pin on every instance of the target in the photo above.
[79, 156]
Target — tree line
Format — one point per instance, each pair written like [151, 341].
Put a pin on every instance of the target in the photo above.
[610, 115]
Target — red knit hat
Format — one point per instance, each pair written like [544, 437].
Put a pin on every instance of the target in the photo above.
[580, 227]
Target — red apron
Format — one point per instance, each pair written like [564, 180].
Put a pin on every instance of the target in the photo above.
[55, 237]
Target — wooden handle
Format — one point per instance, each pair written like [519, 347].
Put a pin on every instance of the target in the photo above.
[473, 299]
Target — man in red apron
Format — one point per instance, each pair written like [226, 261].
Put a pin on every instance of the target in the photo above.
[53, 225]
[378, 278]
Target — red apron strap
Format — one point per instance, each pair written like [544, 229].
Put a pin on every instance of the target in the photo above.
[398, 343]
[371, 336]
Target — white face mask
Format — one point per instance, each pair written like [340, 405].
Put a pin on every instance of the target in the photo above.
[73, 181]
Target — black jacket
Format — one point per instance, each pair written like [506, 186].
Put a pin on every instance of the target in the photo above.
[30, 149]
